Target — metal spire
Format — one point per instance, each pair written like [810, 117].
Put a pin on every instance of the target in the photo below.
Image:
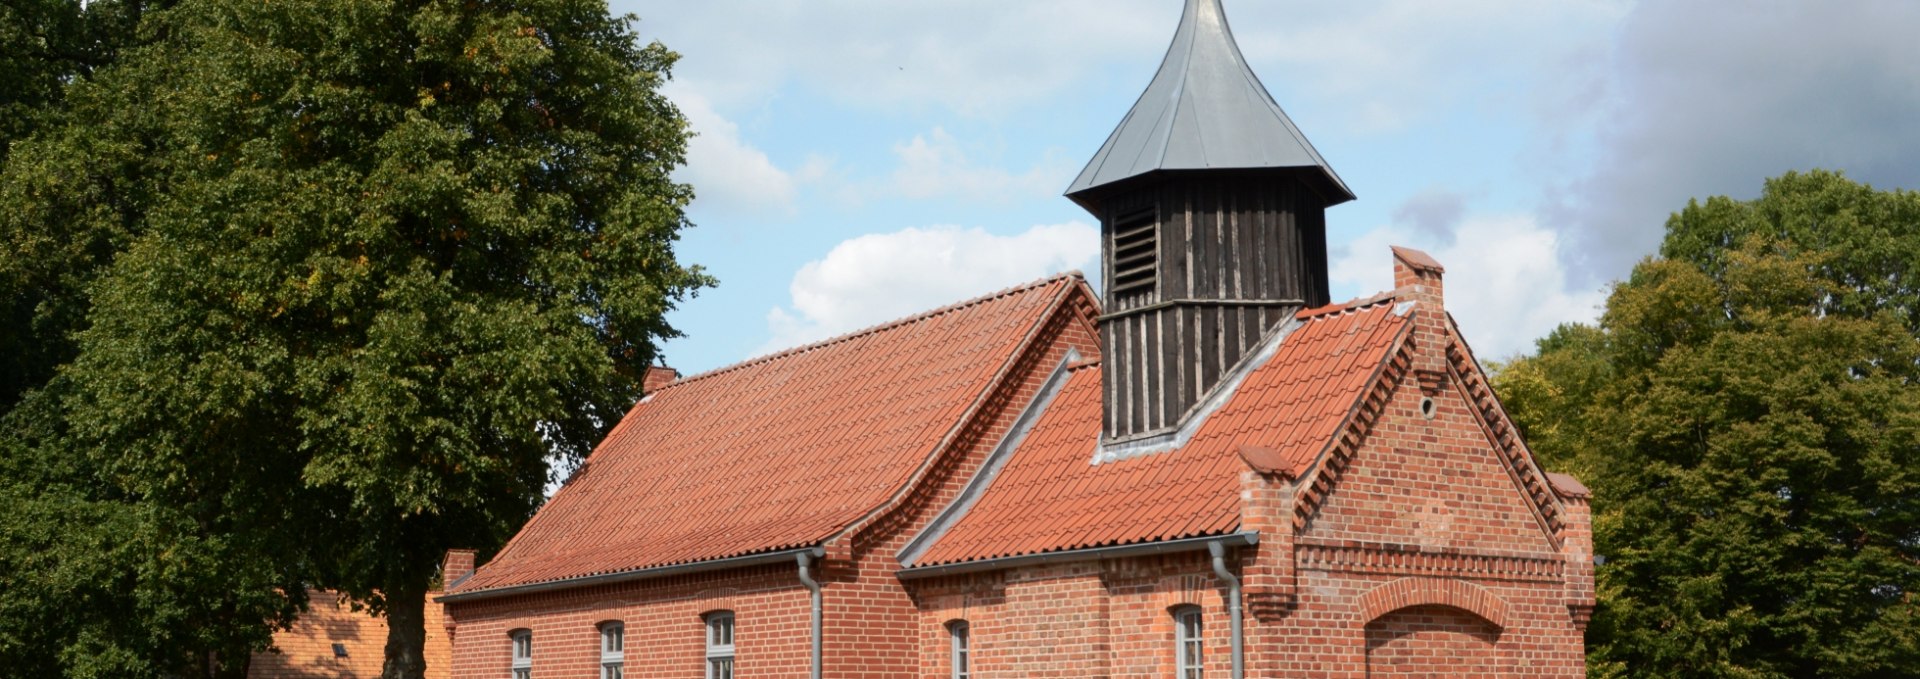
[1204, 110]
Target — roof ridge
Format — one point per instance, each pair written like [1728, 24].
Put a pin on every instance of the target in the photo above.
[1354, 304]
[881, 327]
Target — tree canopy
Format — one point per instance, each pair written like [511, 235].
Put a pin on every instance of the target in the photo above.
[1748, 415]
[338, 278]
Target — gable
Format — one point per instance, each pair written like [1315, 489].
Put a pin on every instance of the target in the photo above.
[777, 453]
[1439, 482]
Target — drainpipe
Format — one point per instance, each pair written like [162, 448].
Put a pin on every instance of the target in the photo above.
[813, 592]
[1219, 552]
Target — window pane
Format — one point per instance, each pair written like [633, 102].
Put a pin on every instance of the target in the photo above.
[961, 635]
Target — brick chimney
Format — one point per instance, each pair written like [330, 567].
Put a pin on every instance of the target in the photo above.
[457, 564]
[658, 376]
[1417, 279]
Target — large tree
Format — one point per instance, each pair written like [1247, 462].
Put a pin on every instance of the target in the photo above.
[1748, 413]
[354, 271]
[46, 46]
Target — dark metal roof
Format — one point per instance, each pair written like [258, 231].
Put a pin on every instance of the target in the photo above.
[1204, 110]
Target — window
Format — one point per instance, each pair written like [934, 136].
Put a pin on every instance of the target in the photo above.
[613, 651]
[962, 652]
[720, 645]
[1136, 253]
[1189, 639]
[522, 654]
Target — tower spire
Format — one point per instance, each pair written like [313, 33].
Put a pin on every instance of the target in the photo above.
[1205, 109]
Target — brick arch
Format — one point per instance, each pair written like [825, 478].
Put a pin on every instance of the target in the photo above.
[1182, 590]
[1407, 592]
[716, 600]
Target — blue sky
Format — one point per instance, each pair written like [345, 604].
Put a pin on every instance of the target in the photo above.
[859, 161]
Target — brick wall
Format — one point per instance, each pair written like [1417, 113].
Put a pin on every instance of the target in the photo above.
[305, 650]
[1109, 618]
[665, 627]
[1423, 543]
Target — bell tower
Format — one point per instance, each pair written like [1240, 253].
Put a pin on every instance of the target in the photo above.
[1212, 209]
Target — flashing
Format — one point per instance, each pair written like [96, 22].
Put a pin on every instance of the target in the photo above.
[1244, 539]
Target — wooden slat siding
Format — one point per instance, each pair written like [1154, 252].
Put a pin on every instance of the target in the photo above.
[1236, 238]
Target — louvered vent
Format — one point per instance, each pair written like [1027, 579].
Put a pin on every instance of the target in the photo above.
[1136, 254]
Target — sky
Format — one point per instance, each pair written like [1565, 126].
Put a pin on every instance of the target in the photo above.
[858, 161]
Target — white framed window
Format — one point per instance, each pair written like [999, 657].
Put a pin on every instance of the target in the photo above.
[720, 645]
[522, 653]
[1189, 642]
[961, 636]
[613, 651]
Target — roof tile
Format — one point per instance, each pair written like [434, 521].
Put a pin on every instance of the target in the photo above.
[1050, 497]
[778, 452]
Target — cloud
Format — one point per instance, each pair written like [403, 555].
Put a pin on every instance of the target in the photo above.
[879, 277]
[1504, 283]
[1701, 99]
[978, 57]
[1385, 65]
[935, 164]
[1433, 213]
[1382, 63]
[726, 172]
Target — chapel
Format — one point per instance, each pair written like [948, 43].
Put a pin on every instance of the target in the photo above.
[1204, 469]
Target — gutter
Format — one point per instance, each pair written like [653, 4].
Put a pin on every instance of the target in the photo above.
[813, 593]
[762, 559]
[1218, 549]
[1089, 554]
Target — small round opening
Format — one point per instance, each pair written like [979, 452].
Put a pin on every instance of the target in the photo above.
[1426, 407]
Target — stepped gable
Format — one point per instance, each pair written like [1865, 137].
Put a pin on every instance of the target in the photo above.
[1050, 496]
[779, 452]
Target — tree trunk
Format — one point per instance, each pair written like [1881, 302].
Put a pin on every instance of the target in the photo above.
[406, 632]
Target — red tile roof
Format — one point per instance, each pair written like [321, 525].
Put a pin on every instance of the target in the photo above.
[1050, 497]
[779, 452]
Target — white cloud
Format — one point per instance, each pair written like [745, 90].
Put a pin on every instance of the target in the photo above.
[726, 172]
[879, 277]
[935, 164]
[1504, 282]
[977, 57]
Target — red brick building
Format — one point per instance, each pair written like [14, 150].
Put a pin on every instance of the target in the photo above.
[1205, 469]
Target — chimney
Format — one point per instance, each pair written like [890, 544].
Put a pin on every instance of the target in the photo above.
[457, 565]
[1417, 279]
[658, 376]
[1212, 209]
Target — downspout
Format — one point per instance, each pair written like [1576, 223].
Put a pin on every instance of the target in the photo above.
[1219, 552]
[813, 593]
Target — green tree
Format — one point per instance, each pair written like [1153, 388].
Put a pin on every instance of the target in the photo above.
[348, 273]
[1748, 415]
[45, 46]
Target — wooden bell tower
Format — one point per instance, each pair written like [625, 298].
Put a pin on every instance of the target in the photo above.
[1212, 209]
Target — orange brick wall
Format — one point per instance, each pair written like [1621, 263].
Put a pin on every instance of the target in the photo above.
[1425, 510]
[1421, 641]
[305, 650]
[665, 628]
[1090, 619]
